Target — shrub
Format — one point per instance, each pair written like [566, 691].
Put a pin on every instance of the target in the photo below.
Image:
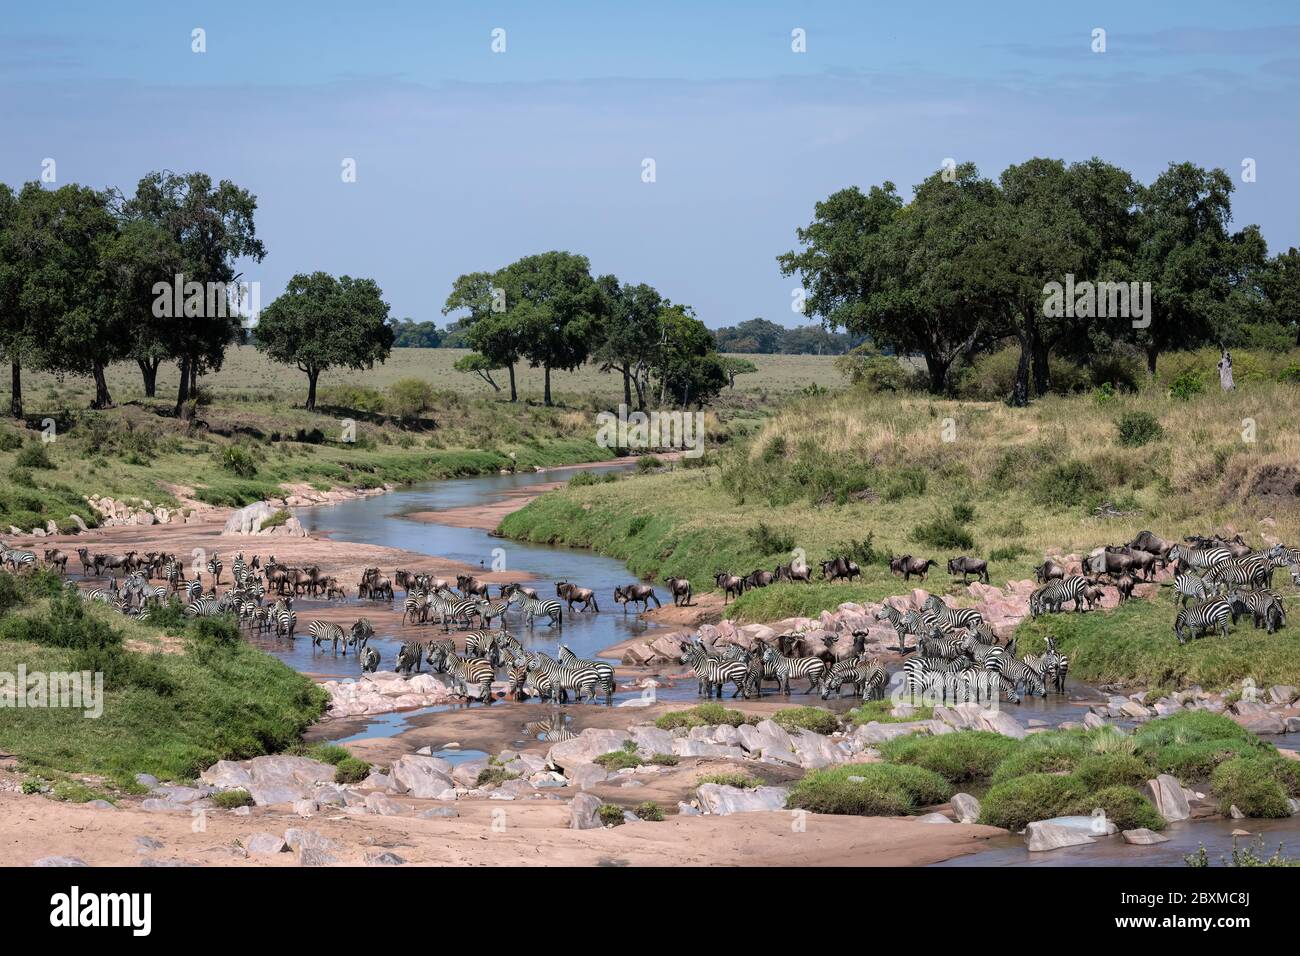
[957, 757]
[34, 456]
[909, 482]
[10, 441]
[495, 776]
[1252, 785]
[1008, 552]
[619, 759]
[1099, 771]
[881, 711]
[275, 520]
[862, 551]
[876, 789]
[650, 811]
[328, 753]
[1069, 483]
[768, 540]
[1124, 806]
[816, 719]
[230, 799]
[592, 478]
[238, 461]
[1021, 800]
[665, 760]
[943, 531]
[351, 770]
[22, 476]
[610, 815]
[699, 716]
[1137, 429]
[1186, 385]
[409, 397]
[648, 463]
[362, 398]
[732, 778]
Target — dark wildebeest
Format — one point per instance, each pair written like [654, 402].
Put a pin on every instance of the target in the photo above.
[56, 558]
[507, 589]
[1049, 570]
[1125, 583]
[908, 566]
[731, 585]
[965, 566]
[111, 562]
[87, 562]
[1152, 543]
[1143, 561]
[1108, 562]
[680, 589]
[841, 567]
[571, 593]
[788, 572]
[468, 584]
[759, 579]
[642, 594]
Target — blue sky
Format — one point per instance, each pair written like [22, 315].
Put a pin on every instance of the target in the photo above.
[468, 159]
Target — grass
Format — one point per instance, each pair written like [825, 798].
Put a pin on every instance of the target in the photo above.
[817, 719]
[650, 811]
[957, 757]
[703, 715]
[619, 759]
[351, 770]
[875, 789]
[611, 815]
[230, 799]
[881, 712]
[733, 778]
[176, 702]
[494, 777]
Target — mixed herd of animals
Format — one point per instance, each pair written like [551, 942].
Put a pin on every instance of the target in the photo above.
[954, 654]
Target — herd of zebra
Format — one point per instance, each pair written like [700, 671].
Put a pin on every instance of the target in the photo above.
[748, 668]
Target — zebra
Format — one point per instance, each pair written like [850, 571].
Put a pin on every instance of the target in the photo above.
[203, 607]
[1264, 606]
[1184, 557]
[867, 675]
[900, 624]
[713, 672]
[408, 656]
[951, 619]
[214, 568]
[1055, 666]
[561, 678]
[470, 672]
[1016, 672]
[1208, 615]
[936, 645]
[284, 617]
[15, 557]
[541, 607]
[487, 610]
[415, 607]
[783, 668]
[369, 658]
[1253, 571]
[1187, 586]
[604, 671]
[1054, 594]
[362, 631]
[323, 632]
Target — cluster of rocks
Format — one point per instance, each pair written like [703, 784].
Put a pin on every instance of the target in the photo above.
[251, 518]
[383, 692]
[1274, 711]
[136, 512]
[304, 495]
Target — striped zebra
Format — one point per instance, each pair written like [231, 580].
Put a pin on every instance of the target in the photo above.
[712, 672]
[203, 607]
[952, 618]
[105, 595]
[408, 656]
[604, 671]
[361, 633]
[1053, 595]
[16, 558]
[214, 568]
[369, 658]
[490, 609]
[469, 672]
[867, 675]
[173, 573]
[541, 607]
[239, 568]
[900, 624]
[1206, 616]
[1183, 557]
[326, 632]
[1189, 586]
[284, 618]
[937, 645]
[1265, 607]
[561, 678]
[1253, 571]
[1055, 666]
[415, 607]
[1016, 672]
[783, 668]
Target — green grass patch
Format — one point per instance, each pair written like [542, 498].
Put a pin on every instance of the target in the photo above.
[876, 789]
[957, 757]
[230, 799]
[732, 778]
[703, 715]
[816, 719]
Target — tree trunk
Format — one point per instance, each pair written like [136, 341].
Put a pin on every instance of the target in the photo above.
[312, 375]
[514, 393]
[938, 372]
[546, 388]
[1042, 371]
[149, 372]
[16, 389]
[1020, 391]
[1153, 353]
[102, 398]
[627, 387]
[194, 378]
[183, 391]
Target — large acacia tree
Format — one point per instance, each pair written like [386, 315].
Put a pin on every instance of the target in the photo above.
[321, 322]
[631, 334]
[489, 330]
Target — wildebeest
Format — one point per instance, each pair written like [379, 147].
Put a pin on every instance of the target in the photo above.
[680, 589]
[759, 578]
[965, 566]
[788, 572]
[841, 567]
[1108, 562]
[1049, 570]
[642, 594]
[56, 558]
[1125, 584]
[468, 584]
[87, 562]
[908, 566]
[1143, 561]
[730, 584]
[507, 589]
[1151, 543]
[571, 592]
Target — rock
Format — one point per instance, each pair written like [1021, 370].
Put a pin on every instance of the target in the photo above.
[146, 780]
[270, 780]
[101, 805]
[722, 800]
[435, 812]
[1261, 722]
[686, 810]
[465, 774]
[154, 805]
[587, 775]
[1240, 833]
[76, 519]
[933, 818]
[650, 740]
[384, 859]
[1167, 795]
[582, 813]
[385, 806]
[311, 848]
[684, 747]
[584, 748]
[248, 520]
[265, 844]
[638, 654]
[1092, 721]
[419, 776]
[60, 861]
[1143, 837]
[1235, 813]
[1043, 835]
[1282, 693]
[966, 807]
[147, 843]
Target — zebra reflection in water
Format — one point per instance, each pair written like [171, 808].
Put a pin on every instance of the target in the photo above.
[551, 729]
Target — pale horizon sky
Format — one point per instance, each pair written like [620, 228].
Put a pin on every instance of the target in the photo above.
[468, 159]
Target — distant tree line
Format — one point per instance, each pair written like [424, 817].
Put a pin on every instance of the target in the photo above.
[767, 338]
[965, 267]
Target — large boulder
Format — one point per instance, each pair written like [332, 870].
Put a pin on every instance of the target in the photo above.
[720, 800]
[248, 519]
[582, 812]
[965, 807]
[1046, 835]
[273, 779]
[420, 776]
[586, 747]
[1168, 796]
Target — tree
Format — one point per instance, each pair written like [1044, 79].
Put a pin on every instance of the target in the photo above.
[416, 335]
[734, 366]
[212, 227]
[755, 335]
[630, 335]
[488, 329]
[478, 364]
[321, 322]
[14, 327]
[1280, 283]
[688, 367]
[556, 307]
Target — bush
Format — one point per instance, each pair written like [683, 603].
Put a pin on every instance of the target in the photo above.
[1100, 771]
[230, 799]
[495, 776]
[876, 789]
[275, 520]
[1186, 385]
[1124, 806]
[619, 759]
[881, 712]
[650, 811]
[610, 815]
[1137, 429]
[769, 541]
[409, 397]
[1070, 483]
[648, 463]
[351, 770]
[704, 714]
[732, 778]
[665, 760]
[328, 753]
[816, 719]
[592, 478]
[1021, 800]
[238, 461]
[1252, 785]
[34, 456]
[10, 441]
[862, 551]
[909, 482]
[361, 398]
[943, 531]
[957, 757]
